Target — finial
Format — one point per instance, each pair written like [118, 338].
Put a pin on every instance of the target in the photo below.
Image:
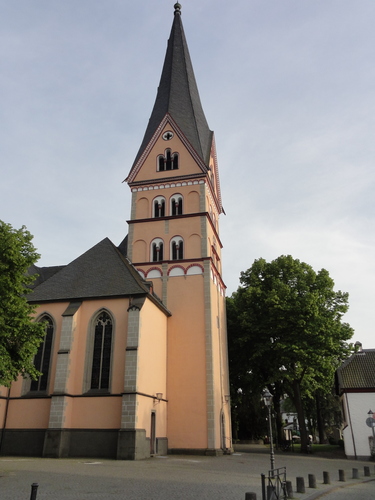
[177, 8]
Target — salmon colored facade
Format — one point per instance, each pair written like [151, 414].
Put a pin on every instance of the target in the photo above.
[136, 363]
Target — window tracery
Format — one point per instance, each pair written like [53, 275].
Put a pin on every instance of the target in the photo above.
[101, 358]
[42, 359]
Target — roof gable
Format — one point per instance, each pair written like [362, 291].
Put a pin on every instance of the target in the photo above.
[146, 167]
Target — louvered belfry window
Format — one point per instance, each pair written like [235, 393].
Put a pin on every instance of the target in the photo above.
[176, 205]
[168, 162]
[177, 249]
[101, 362]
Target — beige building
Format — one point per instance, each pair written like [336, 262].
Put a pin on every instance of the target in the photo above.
[134, 360]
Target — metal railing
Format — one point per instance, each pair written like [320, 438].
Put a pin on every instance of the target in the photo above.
[275, 489]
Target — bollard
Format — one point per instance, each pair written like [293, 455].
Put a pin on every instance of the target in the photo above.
[312, 481]
[34, 491]
[250, 496]
[263, 477]
[300, 485]
[355, 474]
[342, 475]
[289, 489]
[326, 478]
[366, 470]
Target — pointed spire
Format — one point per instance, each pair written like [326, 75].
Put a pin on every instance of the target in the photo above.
[178, 95]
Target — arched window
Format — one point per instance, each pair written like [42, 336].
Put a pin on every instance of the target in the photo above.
[177, 248]
[101, 358]
[42, 360]
[157, 250]
[168, 161]
[159, 207]
[176, 204]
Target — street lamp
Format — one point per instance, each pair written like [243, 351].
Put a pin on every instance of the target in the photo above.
[267, 397]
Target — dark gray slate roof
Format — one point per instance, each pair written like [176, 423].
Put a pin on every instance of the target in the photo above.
[357, 372]
[178, 95]
[123, 246]
[102, 271]
[43, 273]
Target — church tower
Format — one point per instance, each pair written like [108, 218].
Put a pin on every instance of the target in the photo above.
[174, 242]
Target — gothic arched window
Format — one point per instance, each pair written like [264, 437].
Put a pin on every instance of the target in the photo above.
[42, 359]
[101, 358]
[177, 248]
[159, 207]
[176, 204]
[157, 250]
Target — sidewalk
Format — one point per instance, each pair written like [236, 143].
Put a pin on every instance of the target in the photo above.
[298, 465]
[167, 478]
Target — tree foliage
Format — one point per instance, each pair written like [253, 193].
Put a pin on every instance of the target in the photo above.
[20, 336]
[285, 323]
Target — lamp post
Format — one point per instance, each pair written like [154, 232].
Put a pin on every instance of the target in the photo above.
[267, 397]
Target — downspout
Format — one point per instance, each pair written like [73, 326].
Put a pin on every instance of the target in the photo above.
[5, 419]
[350, 423]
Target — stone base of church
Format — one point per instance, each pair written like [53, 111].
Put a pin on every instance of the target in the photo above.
[214, 452]
[132, 444]
[22, 442]
[117, 444]
[120, 444]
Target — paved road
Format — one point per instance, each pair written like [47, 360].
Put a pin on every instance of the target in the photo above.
[362, 491]
[166, 478]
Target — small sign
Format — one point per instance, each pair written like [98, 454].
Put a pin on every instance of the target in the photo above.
[370, 422]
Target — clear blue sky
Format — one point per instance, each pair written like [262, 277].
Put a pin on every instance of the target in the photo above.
[287, 86]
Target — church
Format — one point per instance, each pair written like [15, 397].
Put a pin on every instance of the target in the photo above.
[134, 362]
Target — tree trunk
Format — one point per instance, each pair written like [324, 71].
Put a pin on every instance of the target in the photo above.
[278, 418]
[297, 400]
[234, 425]
[319, 419]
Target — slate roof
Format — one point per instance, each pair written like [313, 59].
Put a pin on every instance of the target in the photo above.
[357, 372]
[43, 273]
[178, 95]
[102, 271]
[123, 246]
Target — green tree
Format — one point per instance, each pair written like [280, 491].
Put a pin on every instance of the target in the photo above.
[286, 320]
[20, 336]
